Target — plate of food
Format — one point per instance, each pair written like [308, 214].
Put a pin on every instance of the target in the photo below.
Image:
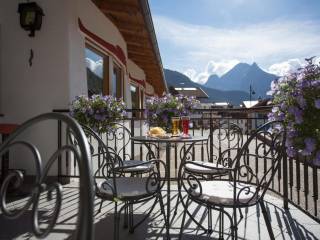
[158, 132]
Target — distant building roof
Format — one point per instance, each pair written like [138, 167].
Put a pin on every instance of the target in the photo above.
[192, 91]
[221, 104]
[264, 102]
[249, 104]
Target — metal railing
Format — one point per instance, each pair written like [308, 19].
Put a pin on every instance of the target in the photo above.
[297, 180]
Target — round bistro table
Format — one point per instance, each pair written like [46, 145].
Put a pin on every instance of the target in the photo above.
[168, 142]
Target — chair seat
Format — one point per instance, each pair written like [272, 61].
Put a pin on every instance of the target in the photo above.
[221, 192]
[203, 170]
[133, 168]
[127, 187]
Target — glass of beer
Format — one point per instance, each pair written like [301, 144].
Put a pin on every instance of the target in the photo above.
[175, 125]
[185, 125]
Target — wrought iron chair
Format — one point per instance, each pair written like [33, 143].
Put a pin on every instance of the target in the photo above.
[244, 186]
[82, 156]
[112, 184]
[118, 138]
[225, 138]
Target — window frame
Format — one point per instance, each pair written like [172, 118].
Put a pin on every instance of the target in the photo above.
[119, 66]
[106, 68]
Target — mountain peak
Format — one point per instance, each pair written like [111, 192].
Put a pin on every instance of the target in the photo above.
[240, 77]
[254, 64]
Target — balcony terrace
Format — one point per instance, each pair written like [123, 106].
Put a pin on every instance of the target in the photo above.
[291, 202]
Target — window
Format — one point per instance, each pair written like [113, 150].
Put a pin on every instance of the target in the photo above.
[135, 96]
[141, 98]
[97, 71]
[117, 81]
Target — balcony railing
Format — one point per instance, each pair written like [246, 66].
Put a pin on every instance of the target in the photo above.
[297, 180]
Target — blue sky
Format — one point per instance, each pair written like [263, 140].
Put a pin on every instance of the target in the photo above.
[204, 37]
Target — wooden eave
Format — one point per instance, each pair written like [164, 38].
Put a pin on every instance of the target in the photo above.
[133, 19]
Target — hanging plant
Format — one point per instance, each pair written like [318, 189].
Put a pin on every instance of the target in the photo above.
[296, 99]
[98, 112]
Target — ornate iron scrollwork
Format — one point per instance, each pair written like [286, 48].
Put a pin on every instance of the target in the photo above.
[81, 155]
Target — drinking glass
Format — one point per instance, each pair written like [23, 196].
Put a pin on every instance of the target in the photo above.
[175, 125]
[185, 124]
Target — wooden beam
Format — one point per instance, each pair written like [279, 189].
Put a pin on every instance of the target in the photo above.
[135, 38]
[116, 7]
[139, 50]
[146, 49]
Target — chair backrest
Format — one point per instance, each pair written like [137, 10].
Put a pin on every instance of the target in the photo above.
[224, 136]
[81, 153]
[104, 158]
[118, 138]
[259, 159]
[110, 164]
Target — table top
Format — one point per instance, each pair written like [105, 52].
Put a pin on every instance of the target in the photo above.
[169, 140]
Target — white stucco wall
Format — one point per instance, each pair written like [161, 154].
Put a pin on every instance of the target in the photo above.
[135, 70]
[28, 91]
[58, 72]
[149, 89]
[95, 21]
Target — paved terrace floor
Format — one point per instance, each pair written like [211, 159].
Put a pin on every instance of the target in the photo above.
[292, 224]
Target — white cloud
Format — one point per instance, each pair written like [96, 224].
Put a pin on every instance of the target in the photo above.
[265, 43]
[283, 68]
[289, 66]
[212, 67]
[96, 67]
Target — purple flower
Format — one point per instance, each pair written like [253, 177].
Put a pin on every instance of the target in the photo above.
[288, 142]
[310, 145]
[317, 103]
[292, 133]
[298, 114]
[271, 116]
[291, 152]
[283, 106]
[301, 101]
[316, 161]
[281, 116]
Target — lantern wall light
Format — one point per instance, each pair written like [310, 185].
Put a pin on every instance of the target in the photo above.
[30, 17]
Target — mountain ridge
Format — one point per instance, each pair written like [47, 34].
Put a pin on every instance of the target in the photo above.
[240, 77]
[177, 79]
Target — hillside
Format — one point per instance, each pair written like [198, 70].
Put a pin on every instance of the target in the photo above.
[177, 79]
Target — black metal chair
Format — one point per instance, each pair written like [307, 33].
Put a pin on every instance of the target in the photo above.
[225, 136]
[112, 183]
[245, 186]
[225, 139]
[81, 154]
[118, 139]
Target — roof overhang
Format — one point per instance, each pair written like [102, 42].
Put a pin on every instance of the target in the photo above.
[134, 21]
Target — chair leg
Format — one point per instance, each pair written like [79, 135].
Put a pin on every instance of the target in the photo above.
[100, 207]
[131, 228]
[266, 219]
[116, 223]
[221, 224]
[209, 220]
[183, 219]
[125, 220]
[177, 204]
[235, 224]
[164, 216]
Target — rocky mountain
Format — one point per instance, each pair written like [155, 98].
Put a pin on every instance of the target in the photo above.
[177, 79]
[240, 77]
